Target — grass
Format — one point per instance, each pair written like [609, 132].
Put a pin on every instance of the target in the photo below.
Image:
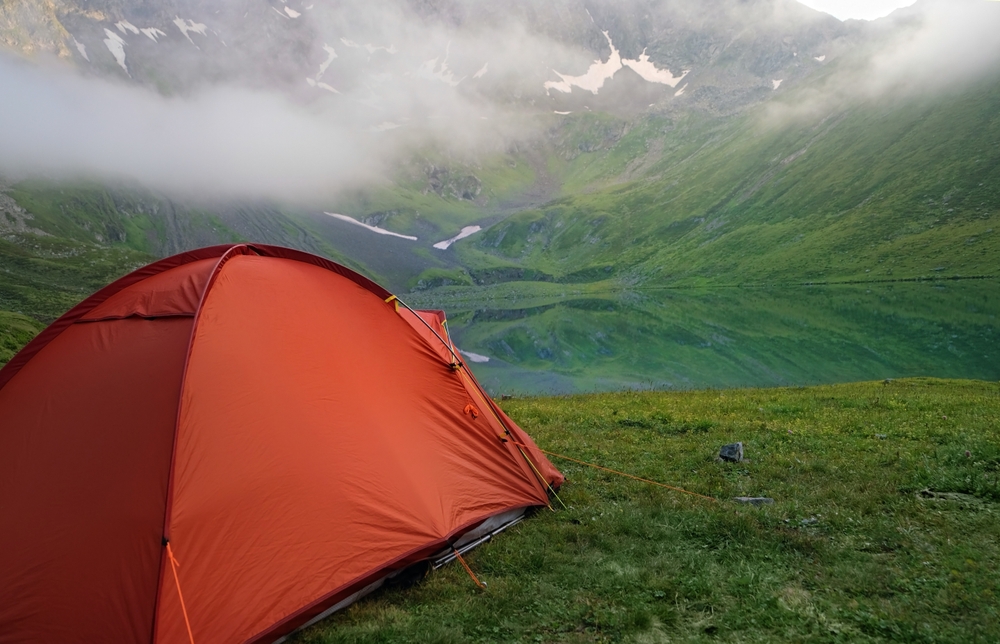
[16, 331]
[44, 276]
[850, 551]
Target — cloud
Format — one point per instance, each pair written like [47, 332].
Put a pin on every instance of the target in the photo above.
[941, 43]
[931, 48]
[329, 118]
[224, 141]
[334, 115]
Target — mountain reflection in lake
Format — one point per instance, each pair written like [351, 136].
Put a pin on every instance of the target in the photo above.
[732, 337]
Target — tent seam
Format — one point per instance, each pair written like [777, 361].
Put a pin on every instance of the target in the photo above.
[168, 502]
[465, 377]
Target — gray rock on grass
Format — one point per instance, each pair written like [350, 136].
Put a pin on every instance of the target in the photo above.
[755, 501]
[732, 453]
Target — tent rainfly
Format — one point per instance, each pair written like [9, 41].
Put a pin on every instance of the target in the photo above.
[231, 443]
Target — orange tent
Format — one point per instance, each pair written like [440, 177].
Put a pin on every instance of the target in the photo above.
[233, 442]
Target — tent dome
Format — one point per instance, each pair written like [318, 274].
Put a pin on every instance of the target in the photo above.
[229, 443]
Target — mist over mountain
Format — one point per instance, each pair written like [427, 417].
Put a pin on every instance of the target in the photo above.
[488, 141]
[294, 99]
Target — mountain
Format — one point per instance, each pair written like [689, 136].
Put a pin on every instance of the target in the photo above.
[876, 191]
[446, 146]
[731, 50]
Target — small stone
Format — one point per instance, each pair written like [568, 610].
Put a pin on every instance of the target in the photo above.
[966, 500]
[881, 437]
[732, 453]
[755, 501]
[809, 521]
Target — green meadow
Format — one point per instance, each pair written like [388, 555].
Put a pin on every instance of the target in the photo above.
[885, 525]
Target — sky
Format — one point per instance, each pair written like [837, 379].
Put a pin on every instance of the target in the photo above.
[858, 9]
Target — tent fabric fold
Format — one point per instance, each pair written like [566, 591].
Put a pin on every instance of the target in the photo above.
[293, 435]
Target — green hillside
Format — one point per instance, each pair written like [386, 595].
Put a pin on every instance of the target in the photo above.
[899, 188]
[42, 276]
[15, 331]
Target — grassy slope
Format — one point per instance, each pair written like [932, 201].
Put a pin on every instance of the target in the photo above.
[630, 562]
[901, 188]
[15, 332]
[42, 277]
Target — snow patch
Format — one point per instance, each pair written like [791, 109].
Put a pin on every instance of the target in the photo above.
[331, 54]
[125, 25]
[374, 229]
[292, 13]
[321, 85]
[600, 71]
[350, 43]
[681, 90]
[474, 357]
[116, 46]
[431, 71]
[777, 83]
[468, 230]
[649, 72]
[152, 33]
[81, 48]
[482, 71]
[593, 80]
[561, 113]
[385, 126]
[391, 49]
[188, 26]
[820, 59]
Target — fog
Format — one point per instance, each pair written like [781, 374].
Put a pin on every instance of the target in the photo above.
[298, 103]
[933, 48]
[943, 43]
[374, 85]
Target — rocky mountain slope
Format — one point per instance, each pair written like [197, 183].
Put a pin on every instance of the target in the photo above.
[727, 52]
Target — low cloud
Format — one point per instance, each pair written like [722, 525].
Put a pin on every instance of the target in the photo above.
[384, 83]
[941, 44]
[931, 48]
[301, 106]
[224, 141]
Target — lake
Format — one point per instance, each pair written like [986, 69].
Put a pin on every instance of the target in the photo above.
[725, 337]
